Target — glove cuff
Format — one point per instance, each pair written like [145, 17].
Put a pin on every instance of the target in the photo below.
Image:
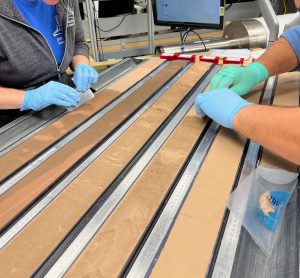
[237, 108]
[260, 70]
[25, 105]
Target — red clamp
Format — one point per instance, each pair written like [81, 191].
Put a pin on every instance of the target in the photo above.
[187, 57]
[168, 56]
[237, 61]
[210, 59]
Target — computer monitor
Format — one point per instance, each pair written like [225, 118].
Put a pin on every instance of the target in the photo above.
[189, 13]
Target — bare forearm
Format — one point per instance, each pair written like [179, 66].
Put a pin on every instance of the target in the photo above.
[11, 98]
[79, 59]
[279, 58]
[275, 128]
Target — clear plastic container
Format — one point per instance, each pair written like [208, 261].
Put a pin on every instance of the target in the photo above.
[259, 204]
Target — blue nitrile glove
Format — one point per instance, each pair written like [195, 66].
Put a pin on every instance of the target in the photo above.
[84, 77]
[220, 105]
[240, 79]
[50, 93]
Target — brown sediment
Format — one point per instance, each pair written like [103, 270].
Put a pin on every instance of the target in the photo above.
[119, 236]
[287, 90]
[190, 246]
[45, 232]
[123, 230]
[26, 151]
[40, 179]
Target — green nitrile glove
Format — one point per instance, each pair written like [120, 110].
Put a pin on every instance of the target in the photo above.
[240, 79]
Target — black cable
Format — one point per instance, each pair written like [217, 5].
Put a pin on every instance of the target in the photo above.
[230, 5]
[180, 33]
[97, 27]
[106, 31]
[186, 35]
[199, 38]
[183, 39]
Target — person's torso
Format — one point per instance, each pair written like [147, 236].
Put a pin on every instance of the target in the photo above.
[26, 59]
[44, 19]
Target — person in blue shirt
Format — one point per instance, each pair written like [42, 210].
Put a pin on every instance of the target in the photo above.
[39, 40]
[276, 128]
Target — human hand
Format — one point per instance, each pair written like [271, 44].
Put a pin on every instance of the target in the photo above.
[239, 79]
[84, 77]
[50, 93]
[220, 105]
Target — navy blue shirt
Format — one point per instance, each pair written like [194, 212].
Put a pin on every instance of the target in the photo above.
[43, 18]
[293, 37]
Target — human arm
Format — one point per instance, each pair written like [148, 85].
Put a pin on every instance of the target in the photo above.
[79, 59]
[275, 128]
[11, 98]
[39, 98]
[278, 58]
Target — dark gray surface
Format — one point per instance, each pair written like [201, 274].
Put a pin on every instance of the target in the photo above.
[250, 261]
[19, 128]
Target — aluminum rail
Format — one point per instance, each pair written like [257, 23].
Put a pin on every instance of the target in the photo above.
[60, 144]
[223, 263]
[92, 29]
[149, 253]
[65, 261]
[45, 201]
[150, 27]
[30, 124]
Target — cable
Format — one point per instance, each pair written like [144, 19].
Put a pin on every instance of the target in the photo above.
[284, 6]
[185, 37]
[97, 27]
[180, 33]
[106, 31]
[230, 5]
[182, 40]
[198, 35]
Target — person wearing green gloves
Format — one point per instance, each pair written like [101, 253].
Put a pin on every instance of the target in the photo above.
[39, 40]
[240, 80]
[275, 128]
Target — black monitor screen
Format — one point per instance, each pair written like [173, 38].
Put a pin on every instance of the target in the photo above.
[111, 8]
[189, 13]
